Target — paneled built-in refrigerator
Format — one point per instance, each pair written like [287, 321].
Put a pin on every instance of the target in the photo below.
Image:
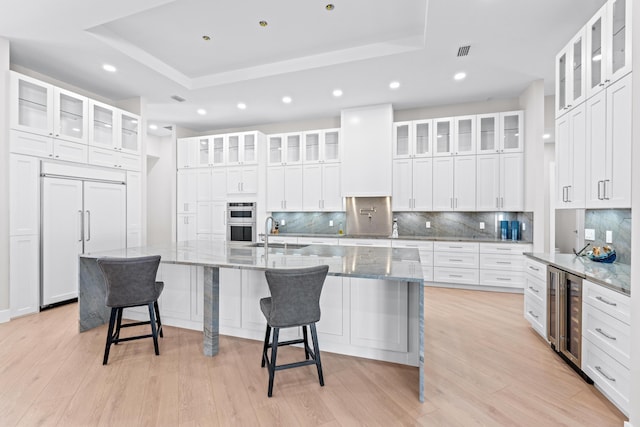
[78, 216]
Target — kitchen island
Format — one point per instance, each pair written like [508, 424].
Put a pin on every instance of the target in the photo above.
[365, 269]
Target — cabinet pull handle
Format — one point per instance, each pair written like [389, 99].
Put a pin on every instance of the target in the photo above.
[458, 276]
[455, 260]
[534, 289]
[455, 247]
[88, 225]
[599, 369]
[503, 279]
[599, 298]
[599, 196]
[81, 227]
[504, 262]
[533, 314]
[497, 202]
[604, 188]
[605, 334]
[503, 249]
[502, 202]
[534, 268]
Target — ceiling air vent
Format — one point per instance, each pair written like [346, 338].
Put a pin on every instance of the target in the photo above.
[463, 50]
[178, 98]
[169, 128]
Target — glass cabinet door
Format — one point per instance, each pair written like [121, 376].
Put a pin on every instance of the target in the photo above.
[465, 135]
[294, 148]
[561, 82]
[422, 143]
[331, 145]
[442, 140]
[217, 146]
[204, 154]
[618, 39]
[70, 116]
[233, 144]
[578, 70]
[102, 125]
[311, 147]
[275, 150]
[511, 131]
[402, 139]
[487, 133]
[32, 104]
[249, 148]
[129, 125]
[596, 54]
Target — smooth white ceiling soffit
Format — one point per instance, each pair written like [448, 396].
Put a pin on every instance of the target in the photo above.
[300, 35]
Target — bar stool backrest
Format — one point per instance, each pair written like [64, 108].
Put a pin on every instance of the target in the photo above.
[130, 281]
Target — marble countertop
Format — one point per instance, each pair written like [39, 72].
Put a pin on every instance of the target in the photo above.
[422, 238]
[364, 262]
[614, 276]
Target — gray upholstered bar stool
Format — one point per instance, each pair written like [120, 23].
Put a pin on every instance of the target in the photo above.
[131, 282]
[294, 302]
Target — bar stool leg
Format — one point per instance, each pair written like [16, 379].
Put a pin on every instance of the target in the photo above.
[155, 306]
[306, 342]
[118, 325]
[107, 347]
[266, 345]
[316, 349]
[154, 331]
[272, 365]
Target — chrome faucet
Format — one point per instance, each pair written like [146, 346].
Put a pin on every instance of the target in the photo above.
[267, 231]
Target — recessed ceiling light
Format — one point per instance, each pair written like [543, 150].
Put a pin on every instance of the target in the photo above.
[263, 23]
[287, 100]
[110, 68]
[153, 127]
[330, 7]
[460, 76]
[394, 85]
[242, 105]
[337, 93]
[201, 111]
[206, 38]
[546, 136]
[597, 58]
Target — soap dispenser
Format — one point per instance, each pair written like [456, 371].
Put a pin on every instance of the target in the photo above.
[394, 232]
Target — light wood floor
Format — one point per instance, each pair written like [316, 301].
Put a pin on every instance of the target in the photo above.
[484, 367]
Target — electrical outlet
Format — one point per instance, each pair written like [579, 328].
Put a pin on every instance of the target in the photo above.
[482, 226]
[330, 223]
[524, 226]
[609, 237]
[282, 222]
[589, 234]
[428, 224]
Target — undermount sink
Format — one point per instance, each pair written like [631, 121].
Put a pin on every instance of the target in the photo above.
[279, 245]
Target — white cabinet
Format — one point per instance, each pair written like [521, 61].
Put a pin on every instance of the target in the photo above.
[454, 179]
[500, 182]
[24, 274]
[48, 147]
[211, 220]
[186, 227]
[570, 158]
[134, 209]
[606, 342]
[571, 74]
[242, 180]
[321, 146]
[211, 184]
[412, 139]
[186, 191]
[114, 159]
[175, 301]
[502, 264]
[454, 136]
[113, 129]
[242, 148]
[187, 153]
[24, 195]
[284, 188]
[608, 45]
[608, 145]
[44, 109]
[412, 184]
[535, 296]
[456, 263]
[500, 132]
[321, 187]
[285, 149]
[426, 255]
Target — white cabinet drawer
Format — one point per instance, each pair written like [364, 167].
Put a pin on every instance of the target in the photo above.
[382, 243]
[536, 315]
[507, 279]
[329, 241]
[452, 259]
[536, 269]
[612, 378]
[462, 276]
[502, 262]
[412, 244]
[536, 288]
[504, 248]
[608, 333]
[456, 247]
[283, 239]
[611, 302]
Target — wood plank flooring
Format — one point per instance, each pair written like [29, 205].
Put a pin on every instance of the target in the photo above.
[484, 366]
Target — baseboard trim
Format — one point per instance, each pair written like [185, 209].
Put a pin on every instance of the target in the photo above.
[5, 316]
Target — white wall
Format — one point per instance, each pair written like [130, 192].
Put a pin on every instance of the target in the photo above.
[532, 102]
[481, 107]
[4, 180]
[160, 176]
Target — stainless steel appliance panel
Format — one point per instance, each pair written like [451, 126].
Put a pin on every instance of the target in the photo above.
[241, 222]
[564, 313]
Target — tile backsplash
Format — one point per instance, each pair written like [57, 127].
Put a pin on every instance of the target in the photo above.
[618, 221]
[443, 224]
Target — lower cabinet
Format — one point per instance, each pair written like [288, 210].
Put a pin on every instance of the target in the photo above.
[456, 263]
[535, 296]
[24, 277]
[502, 264]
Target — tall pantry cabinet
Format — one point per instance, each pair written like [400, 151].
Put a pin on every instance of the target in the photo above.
[75, 184]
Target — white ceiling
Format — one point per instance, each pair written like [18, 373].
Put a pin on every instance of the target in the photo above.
[305, 52]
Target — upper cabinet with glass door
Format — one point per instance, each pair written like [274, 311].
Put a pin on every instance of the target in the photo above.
[321, 146]
[464, 135]
[608, 45]
[44, 109]
[443, 137]
[129, 132]
[571, 74]
[284, 149]
[242, 148]
[112, 128]
[412, 139]
[500, 132]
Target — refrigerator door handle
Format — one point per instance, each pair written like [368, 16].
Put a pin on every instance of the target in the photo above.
[81, 238]
[88, 225]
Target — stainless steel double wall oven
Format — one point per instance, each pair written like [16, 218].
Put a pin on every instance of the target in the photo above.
[241, 222]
